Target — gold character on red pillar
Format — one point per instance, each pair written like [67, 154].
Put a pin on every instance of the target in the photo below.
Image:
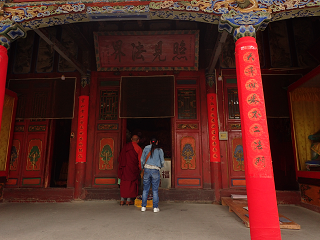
[257, 145]
[253, 99]
[254, 114]
[255, 130]
[250, 71]
[249, 57]
[259, 162]
[252, 85]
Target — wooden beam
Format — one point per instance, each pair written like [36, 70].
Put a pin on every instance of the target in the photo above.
[79, 38]
[217, 51]
[57, 46]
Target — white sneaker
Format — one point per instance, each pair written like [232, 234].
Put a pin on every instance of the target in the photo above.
[143, 209]
[156, 210]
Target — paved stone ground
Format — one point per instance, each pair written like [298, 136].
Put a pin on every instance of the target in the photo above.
[86, 220]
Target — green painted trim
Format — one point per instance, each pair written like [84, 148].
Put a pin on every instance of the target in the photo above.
[30, 179]
[231, 80]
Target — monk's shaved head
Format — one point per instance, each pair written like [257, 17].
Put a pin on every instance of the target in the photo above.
[135, 138]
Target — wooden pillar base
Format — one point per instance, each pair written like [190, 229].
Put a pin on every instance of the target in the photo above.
[79, 180]
[216, 180]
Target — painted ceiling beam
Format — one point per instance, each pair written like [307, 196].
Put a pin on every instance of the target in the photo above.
[57, 46]
[239, 18]
[217, 51]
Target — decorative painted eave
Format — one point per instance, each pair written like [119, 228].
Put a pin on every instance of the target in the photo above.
[231, 15]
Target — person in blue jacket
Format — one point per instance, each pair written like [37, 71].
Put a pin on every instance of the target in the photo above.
[152, 160]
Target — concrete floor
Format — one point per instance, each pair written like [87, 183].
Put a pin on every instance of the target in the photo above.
[107, 220]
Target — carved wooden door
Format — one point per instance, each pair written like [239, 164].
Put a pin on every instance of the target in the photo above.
[188, 163]
[34, 159]
[235, 147]
[30, 133]
[106, 156]
[28, 154]
[6, 133]
[107, 133]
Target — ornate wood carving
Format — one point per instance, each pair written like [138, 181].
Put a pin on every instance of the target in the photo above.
[237, 152]
[15, 150]
[111, 126]
[37, 128]
[187, 104]
[19, 128]
[109, 102]
[34, 158]
[187, 126]
[188, 153]
[106, 154]
[235, 126]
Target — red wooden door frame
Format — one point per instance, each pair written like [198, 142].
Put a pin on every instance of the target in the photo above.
[5, 173]
[203, 174]
[96, 177]
[235, 178]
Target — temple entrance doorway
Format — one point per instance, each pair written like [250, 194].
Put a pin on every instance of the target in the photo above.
[146, 128]
[60, 155]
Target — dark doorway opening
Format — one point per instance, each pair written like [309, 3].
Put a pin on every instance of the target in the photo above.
[60, 155]
[146, 128]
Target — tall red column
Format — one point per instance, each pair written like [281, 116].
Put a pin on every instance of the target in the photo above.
[81, 156]
[214, 145]
[262, 202]
[3, 77]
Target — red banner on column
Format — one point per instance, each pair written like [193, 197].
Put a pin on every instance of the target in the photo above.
[82, 129]
[253, 114]
[213, 127]
[262, 202]
[3, 76]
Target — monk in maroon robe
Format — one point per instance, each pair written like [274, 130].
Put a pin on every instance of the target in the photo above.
[129, 170]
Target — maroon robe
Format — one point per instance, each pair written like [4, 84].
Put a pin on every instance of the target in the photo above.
[129, 171]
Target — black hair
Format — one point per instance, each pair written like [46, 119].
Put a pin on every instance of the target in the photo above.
[153, 145]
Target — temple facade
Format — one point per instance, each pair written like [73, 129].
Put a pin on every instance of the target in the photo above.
[213, 80]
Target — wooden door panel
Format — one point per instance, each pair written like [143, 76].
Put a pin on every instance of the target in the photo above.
[6, 133]
[236, 159]
[188, 168]
[33, 162]
[17, 154]
[105, 160]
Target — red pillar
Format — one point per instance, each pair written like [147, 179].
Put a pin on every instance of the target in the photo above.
[214, 145]
[262, 202]
[3, 77]
[81, 156]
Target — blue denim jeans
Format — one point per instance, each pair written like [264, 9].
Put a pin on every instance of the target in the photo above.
[151, 176]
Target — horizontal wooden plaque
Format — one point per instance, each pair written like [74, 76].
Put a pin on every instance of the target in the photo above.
[153, 50]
